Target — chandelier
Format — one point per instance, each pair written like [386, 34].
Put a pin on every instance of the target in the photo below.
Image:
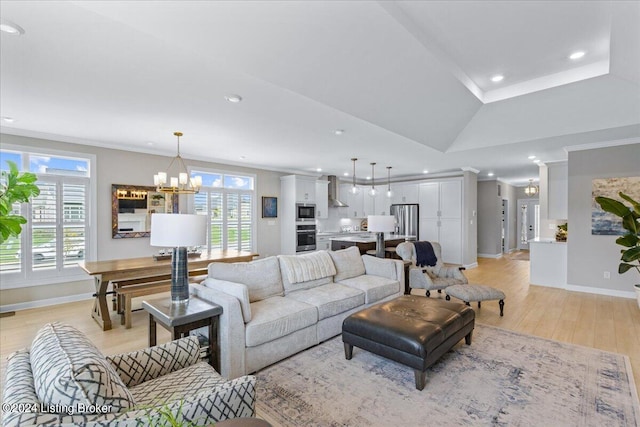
[180, 183]
[354, 188]
[373, 192]
[389, 192]
[531, 189]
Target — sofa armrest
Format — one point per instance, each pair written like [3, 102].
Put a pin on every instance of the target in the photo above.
[384, 267]
[143, 365]
[237, 290]
[231, 330]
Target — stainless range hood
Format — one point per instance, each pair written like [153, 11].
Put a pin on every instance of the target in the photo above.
[333, 193]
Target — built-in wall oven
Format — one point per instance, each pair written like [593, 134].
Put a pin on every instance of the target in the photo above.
[305, 212]
[305, 237]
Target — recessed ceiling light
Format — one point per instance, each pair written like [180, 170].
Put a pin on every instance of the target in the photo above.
[346, 174]
[490, 174]
[243, 157]
[577, 55]
[149, 143]
[11, 28]
[368, 178]
[319, 170]
[8, 119]
[497, 78]
[339, 131]
[425, 171]
[233, 98]
[531, 157]
[536, 161]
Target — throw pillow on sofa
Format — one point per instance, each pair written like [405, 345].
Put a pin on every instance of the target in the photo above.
[348, 263]
[68, 370]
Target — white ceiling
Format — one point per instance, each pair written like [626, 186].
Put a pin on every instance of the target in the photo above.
[408, 81]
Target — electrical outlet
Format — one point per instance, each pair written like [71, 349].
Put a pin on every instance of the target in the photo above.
[607, 275]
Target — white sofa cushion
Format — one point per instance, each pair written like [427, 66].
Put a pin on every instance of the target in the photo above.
[68, 370]
[261, 276]
[348, 263]
[330, 299]
[276, 317]
[375, 287]
[307, 267]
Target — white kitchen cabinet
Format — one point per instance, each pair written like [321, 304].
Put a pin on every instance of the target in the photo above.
[378, 204]
[323, 243]
[322, 199]
[441, 217]
[305, 189]
[355, 202]
[404, 193]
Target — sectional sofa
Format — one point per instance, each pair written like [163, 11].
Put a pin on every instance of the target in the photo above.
[277, 306]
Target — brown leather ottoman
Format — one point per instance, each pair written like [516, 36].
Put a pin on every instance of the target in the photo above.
[412, 330]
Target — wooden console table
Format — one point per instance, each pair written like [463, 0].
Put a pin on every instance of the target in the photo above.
[105, 272]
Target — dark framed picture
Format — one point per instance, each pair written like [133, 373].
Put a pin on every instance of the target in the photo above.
[269, 207]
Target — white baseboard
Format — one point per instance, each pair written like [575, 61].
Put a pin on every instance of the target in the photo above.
[601, 291]
[495, 256]
[470, 266]
[45, 302]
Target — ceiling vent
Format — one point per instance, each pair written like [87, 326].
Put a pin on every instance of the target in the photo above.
[333, 194]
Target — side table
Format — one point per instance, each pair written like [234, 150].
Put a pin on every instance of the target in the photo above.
[180, 319]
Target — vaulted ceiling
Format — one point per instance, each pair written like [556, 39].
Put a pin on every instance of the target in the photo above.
[408, 82]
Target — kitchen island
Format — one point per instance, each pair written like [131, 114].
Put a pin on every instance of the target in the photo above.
[548, 262]
[367, 242]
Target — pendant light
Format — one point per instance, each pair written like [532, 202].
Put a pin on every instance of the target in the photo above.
[531, 190]
[373, 192]
[354, 188]
[389, 192]
[180, 183]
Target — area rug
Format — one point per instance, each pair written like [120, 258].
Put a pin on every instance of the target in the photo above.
[503, 379]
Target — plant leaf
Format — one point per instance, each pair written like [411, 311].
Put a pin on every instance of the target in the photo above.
[636, 205]
[631, 254]
[623, 268]
[612, 206]
[628, 240]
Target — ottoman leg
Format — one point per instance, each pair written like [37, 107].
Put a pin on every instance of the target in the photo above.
[467, 303]
[501, 302]
[467, 338]
[478, 304]
[428, 293]
[448, 298]
[348, 351]
[421, 379]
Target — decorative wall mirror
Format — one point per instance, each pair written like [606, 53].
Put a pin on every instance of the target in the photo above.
[132, 206]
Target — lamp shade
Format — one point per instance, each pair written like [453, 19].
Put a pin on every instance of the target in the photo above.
[175, 230]
[381, 223]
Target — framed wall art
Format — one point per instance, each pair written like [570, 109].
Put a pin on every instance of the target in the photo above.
[604, 223]
[269, 207]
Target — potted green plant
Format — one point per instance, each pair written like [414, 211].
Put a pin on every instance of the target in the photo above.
[630, 241]
[14, 187]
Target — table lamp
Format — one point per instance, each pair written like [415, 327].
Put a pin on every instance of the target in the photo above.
[381, 224]
[178, 231]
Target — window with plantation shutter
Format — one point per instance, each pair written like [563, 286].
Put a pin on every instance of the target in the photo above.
[56, 236]
[228, 202]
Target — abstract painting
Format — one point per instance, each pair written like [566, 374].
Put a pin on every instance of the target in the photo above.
[604, 223]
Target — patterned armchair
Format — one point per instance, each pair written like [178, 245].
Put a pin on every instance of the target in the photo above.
[64, 379]
[432, 278]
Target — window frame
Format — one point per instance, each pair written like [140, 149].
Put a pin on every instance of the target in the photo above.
[28, 278]
[225, 191]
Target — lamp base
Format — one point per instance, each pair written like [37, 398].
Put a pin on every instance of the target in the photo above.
[380, 245]
[179, 276]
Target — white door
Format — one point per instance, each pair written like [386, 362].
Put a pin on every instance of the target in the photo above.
[505, 226]
[528, 211]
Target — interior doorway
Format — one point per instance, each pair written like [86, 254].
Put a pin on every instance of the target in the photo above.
[505, 227]
[528, 221]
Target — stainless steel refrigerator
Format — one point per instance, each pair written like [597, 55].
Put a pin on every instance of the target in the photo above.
[406, 219]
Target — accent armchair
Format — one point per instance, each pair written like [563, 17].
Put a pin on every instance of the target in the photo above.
[431, 278]
[64, 379]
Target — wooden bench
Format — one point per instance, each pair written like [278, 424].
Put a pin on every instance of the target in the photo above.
[126, 293]
[127, 289]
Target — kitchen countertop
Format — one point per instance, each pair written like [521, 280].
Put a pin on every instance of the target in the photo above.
[371, 238]
[546, 240]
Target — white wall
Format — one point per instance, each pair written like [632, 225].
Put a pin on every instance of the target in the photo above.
[124, 167]
[489, 219]
[589, 256]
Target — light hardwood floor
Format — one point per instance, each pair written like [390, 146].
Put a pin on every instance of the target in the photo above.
[603, 322]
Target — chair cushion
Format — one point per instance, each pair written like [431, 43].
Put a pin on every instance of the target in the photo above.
[330, 299]
[348, 263]
[68, 370]
[375, 288]
[276, 317]
[261, 276]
